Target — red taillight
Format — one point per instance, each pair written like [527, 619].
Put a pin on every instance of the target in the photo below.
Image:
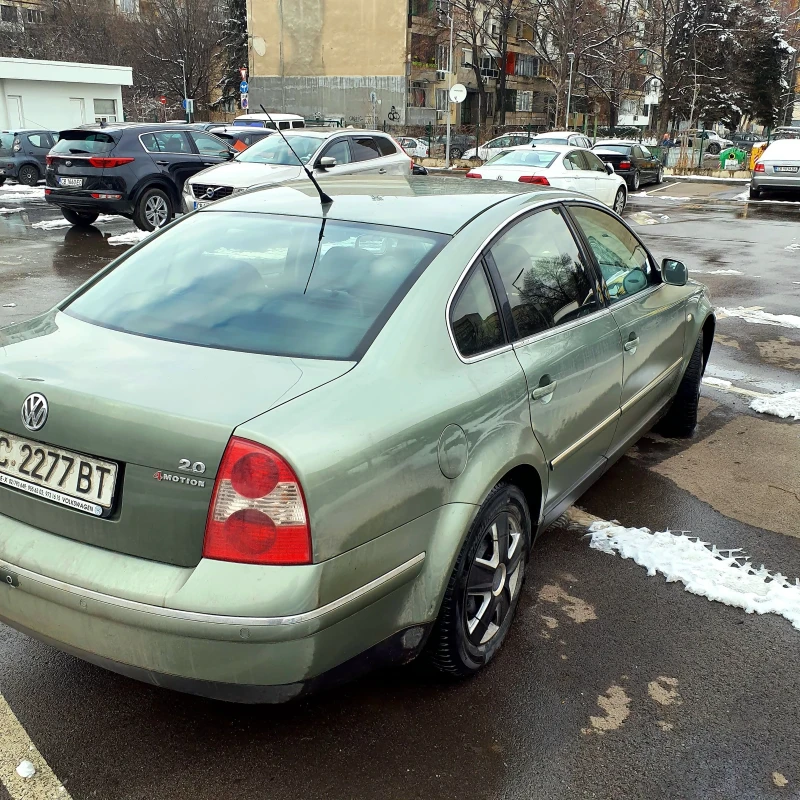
[539, 180]
[624, 164]
[108, 162]
[759, 167]
[47, 191]
[258, 512]
[474, 175]
[49, 160]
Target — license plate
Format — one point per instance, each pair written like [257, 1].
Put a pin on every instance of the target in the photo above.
[58, 475]
[200, 203]
[70, 181]
[784, 169]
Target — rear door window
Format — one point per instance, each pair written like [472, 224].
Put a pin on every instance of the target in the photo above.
[208, 145]
[364, 148]
[474, 319]
[73, 143]
[593, 162]
[166, 142]
[40, 140]
[262, 283]
[386, 147]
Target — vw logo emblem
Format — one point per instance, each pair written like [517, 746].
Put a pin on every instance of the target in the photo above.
[210, 192]
[68, 163]
[34, 411]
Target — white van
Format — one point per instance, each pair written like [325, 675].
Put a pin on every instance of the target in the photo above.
[283, 121]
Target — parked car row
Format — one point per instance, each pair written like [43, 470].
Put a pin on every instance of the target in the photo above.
[23, 154]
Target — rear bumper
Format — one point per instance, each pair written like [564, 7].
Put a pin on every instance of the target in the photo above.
[81, 200]
[231, 631]
[761, 180]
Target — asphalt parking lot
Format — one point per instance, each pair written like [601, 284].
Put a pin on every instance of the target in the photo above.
[612, 683]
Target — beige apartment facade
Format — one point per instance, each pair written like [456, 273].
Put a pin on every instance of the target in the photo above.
[376, 62]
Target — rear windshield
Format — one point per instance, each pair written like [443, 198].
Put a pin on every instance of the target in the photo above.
[248, 123]
[6, 141]
[548, 140]
[262, 283]
[625, 149]
[80, 142]
[274, 150]
[523, 158]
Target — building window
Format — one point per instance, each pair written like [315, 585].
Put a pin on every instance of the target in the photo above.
[524, 101]
[8, 14]
[466, 57]
[526, 66]
[489, 67]
[128, 6]
[33, 16]
[416, 95]
[105, 110]
[441, 57]
[511, 100]
[442, 103]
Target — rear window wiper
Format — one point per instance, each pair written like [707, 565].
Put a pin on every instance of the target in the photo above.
[75, 152]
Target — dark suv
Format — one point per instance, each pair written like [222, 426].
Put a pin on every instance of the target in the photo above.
[131, 169]
[23, 154]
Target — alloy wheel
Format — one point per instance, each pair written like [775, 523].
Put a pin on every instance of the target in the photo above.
[619, 202]
[156, 211]
[494, 579]
[636, 180]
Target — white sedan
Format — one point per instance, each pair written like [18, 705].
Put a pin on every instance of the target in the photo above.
[557, 165]
[416, 148]
[494, 146]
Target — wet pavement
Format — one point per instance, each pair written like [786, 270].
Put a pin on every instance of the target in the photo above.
[612, 684]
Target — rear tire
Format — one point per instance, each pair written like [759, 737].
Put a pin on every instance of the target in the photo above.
[28, 175]
[681, 419]
[80, 218]
[619, 201]
[456, 153]
[484, 587]
[153, 210]
[636, 181]
[2, 181]
[714, 149]
[755, 194]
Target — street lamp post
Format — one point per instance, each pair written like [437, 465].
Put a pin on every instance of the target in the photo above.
[449, 86]
[182, 62]
[571, 57]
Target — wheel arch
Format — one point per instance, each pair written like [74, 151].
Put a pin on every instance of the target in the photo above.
[709, 326]
[157, 182]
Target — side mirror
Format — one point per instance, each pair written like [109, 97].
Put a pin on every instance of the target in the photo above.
[609, 168]
[326, 162]
[674, 272]
[228, 155]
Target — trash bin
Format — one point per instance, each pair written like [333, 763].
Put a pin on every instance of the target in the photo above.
[732, 158]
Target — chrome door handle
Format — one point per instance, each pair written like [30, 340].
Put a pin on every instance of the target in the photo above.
[162, 163]
[631, 345]
[542, 392]
[381, 171]
[209, 163]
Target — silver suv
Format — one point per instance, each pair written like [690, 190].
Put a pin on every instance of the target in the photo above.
[270, 161]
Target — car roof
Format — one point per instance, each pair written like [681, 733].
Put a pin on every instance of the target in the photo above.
[437, 204]
[559, 148]
[626, 142]
[558, 133]
[16, 131]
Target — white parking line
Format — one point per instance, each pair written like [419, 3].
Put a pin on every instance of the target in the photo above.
[16, 746]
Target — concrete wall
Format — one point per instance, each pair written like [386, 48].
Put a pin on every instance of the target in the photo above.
[53, 105]
[327, 56]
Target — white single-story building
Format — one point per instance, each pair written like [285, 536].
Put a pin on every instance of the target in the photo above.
[55, 95]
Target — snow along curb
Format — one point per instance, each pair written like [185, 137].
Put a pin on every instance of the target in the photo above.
[726, 576]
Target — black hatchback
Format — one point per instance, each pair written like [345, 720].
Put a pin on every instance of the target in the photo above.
[130, 169]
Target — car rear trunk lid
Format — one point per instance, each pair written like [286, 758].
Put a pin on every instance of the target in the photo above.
[147, 405]
[69, 163]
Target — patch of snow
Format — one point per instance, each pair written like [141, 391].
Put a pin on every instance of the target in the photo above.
[780, 405]
[53, 224]
[644, 218]
[25, 769]
[795, 245]
[17, 198]
[701, 178]
[726, 576]
[9, 305]
[742, 196]
[722, 384]
[18, 188]
[11, 210]
[717, 272]
[132, 237]
[758, 317]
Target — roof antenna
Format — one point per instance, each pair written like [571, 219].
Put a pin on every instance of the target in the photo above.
[325, 199]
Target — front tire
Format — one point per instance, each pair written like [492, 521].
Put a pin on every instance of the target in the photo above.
[455, 153]
[2, 181]
[660, 175]
[80, 218]
[619, 201]
[485, 585]
[153, 210]
[28, 175]
[681, 419]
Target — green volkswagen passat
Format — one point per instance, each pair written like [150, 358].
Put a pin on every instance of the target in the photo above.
[279, 441]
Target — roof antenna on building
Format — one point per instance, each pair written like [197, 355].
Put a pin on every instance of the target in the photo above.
[325, 199]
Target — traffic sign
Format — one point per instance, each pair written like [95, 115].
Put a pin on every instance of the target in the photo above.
[244, 100]
[188, 104]
[458, 93]
[243, 73]
[162, 100]
[243, 87]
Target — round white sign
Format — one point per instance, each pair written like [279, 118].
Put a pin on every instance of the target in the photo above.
[458, 93]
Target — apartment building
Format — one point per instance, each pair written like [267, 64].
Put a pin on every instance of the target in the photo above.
[376, 61]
